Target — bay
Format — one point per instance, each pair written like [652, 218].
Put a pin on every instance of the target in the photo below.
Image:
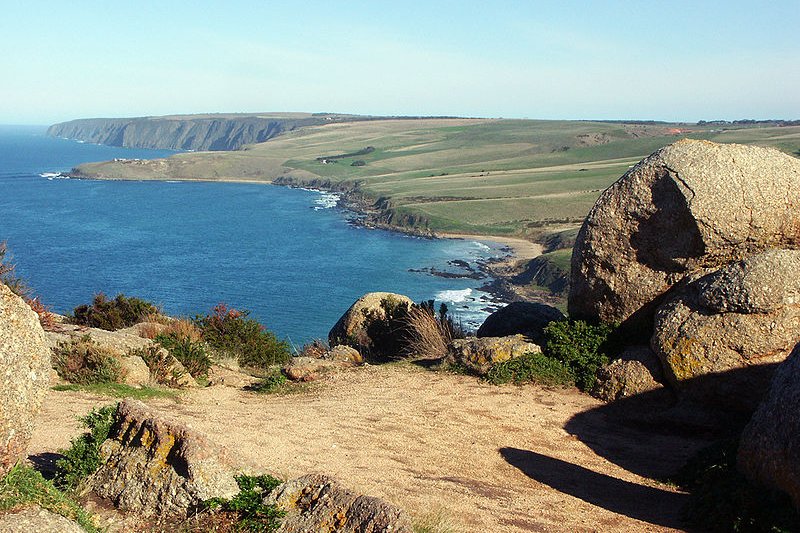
[288, 255]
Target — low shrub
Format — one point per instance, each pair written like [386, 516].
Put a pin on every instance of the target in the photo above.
[581, 347]
[531, 368]
[270, 384]
[83, 456]
[193, 355]
[8, 276]
[46, 318]
[121, 312]
[161, 364]
[85, 362]
[184, 328]
[247, 507]
[23, 486]
[722, 499]
[230, 332]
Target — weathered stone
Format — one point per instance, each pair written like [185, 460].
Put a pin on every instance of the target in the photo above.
[135, 370]
[319, 503]
[343, 353]
[733, 324]
[689, 205]
[114, 340]
[154, 465]
[480, 354]
[356, 327]
[24, 375]
[638, 370]
[37, 520]
[223, 376]
[769, 451]
[526, 318]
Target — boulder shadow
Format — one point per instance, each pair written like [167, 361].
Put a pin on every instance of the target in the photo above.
[45, 463]
[640, 502]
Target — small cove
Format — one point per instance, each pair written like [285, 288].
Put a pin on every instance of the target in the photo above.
[288, 255]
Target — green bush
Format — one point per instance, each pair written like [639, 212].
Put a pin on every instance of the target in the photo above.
[23, 486]
[83, 456]
[270, 384]
[580, 346]
[530, 368]
[723, 500]
[231, 333]
[85, 362]
[248, 507]
[121, 312]
[191, 354]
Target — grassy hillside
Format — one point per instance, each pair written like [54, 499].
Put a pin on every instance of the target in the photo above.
[482, 176]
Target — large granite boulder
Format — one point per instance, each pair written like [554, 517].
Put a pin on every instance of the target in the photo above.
[526, 318]
[720, 337]
[636, 371]
[155, 466]
[319, 503]
[769, 451]
[24, 375]
[689, 205]
[364, 326]
[480, 354]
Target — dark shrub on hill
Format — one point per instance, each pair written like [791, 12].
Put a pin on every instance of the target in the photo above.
[231, 333]
[121, 312]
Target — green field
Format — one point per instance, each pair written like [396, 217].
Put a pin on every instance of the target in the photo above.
[483, 176]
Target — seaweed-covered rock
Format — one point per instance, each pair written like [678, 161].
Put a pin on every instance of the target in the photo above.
[526, 318]
[480, 354]
[24, 375]
[156, 466]
[319, 503]
[689, 205]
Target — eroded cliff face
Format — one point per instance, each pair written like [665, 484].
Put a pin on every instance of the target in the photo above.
[208, 132]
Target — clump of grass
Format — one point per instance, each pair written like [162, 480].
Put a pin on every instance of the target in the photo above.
[247, 509]
[85, 362]
[271, 384]
[530, 368]
[83, 456]
[436, 521]
[121, 312]
[427, 335]
[23, 485]
[118, 390]
[193, 355]
[230, 332]
[161, 364]
[722, 499]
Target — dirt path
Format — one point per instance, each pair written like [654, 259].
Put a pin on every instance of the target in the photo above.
[486, 458]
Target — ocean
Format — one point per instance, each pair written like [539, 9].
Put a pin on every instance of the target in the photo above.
[290, 256]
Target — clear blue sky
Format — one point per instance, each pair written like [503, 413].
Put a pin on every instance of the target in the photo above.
[676, 60]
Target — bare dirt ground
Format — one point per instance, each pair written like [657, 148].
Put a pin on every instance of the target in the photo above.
[480, 457]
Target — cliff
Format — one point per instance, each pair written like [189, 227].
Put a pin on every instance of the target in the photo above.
[188, 132]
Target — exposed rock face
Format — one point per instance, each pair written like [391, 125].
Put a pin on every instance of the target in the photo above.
[342, 353]
[119, 341]
[319, 503]
[155, 466]
[480, 354]
[38, 520]
[689, 205]
[135, 370]
[307, 368]
[526, 318]
[637, 370]
[770, 444]
[356, 327]
[24, 375]
[743, 316]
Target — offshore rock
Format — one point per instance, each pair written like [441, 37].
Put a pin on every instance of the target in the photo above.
[690, 205]
[24, 375]
[158, 467]
[526, 318]
[770, 445]
[319, 503]
[480, 354]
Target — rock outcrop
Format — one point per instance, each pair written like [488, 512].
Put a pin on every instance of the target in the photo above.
[526, 318]
[362, 326]
[37, 520]
[24, 375]
[480, 354]
[307, 368]
[155, 466]
[770, 444]
[690, 205]
[743, 316]
[319, 503]
[637, 371]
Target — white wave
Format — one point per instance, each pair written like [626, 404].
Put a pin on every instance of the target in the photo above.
[50, 174]
[481, 246]
[454, 296]
[326, 201]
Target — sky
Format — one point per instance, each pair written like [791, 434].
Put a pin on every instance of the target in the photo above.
[675, 61]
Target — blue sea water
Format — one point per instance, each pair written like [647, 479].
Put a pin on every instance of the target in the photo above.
[288, 255]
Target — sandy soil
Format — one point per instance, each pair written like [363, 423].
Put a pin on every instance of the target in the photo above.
[485, 458]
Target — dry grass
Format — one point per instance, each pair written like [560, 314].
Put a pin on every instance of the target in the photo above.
[149, 330]
[157, 318]
[316, 349]
[46, 318]
[183, 328]
[425, 336]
